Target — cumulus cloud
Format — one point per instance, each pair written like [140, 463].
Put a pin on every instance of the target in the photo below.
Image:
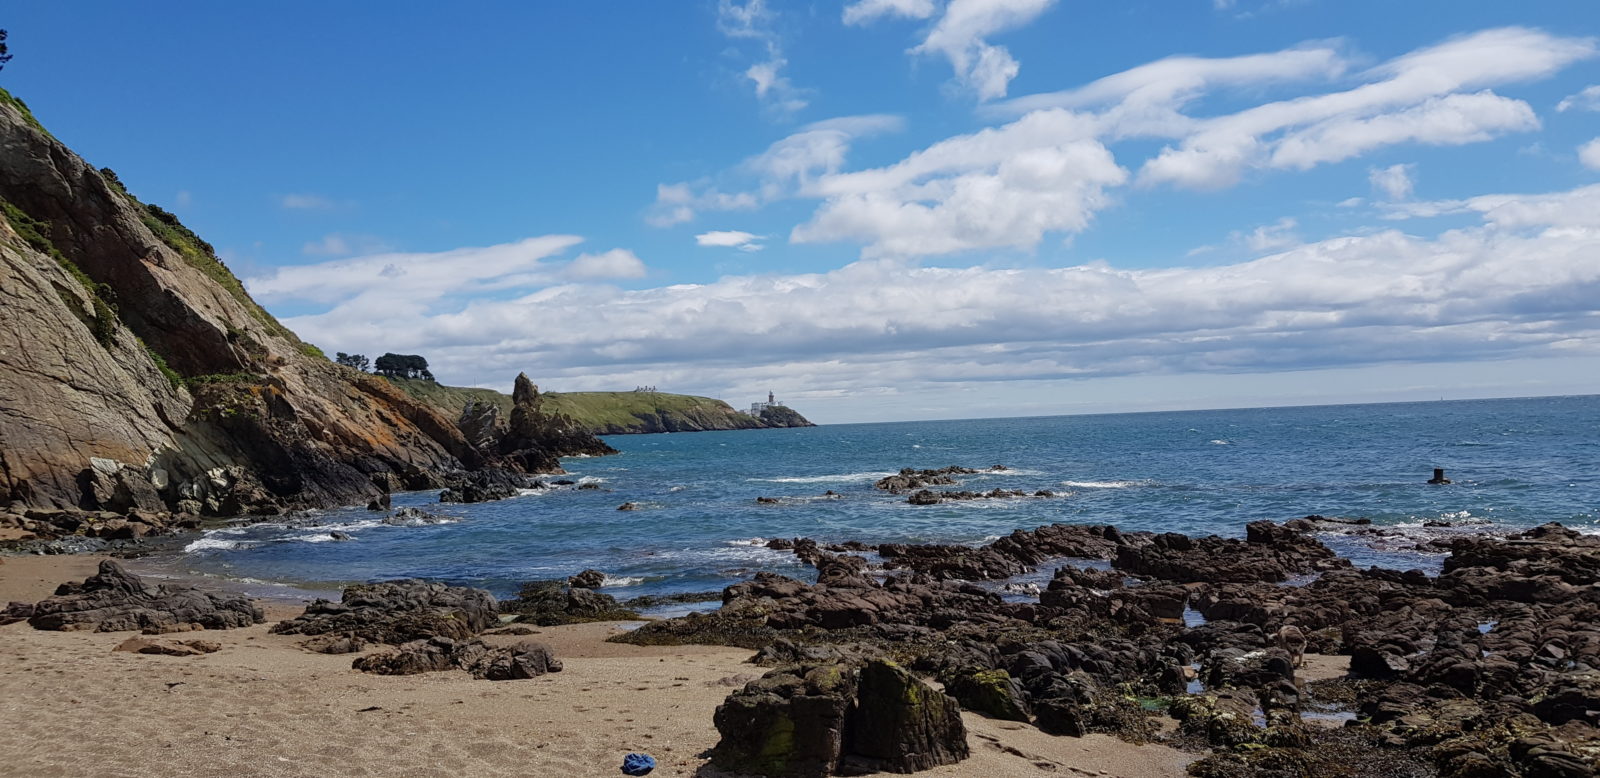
[786, 168]
[1520, 283]
[960, 36]
[616, 263]
[1393, 182]
[1270, 237]
[735, 239]
[752, 20]
[1000, 187]
[1586, 99]
[1589, 154]
[1052, 169]
[867, 11]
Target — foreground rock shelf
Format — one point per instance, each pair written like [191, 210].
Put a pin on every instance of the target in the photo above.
[1491, 668]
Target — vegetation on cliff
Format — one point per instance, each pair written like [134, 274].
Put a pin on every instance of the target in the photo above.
[613, 413]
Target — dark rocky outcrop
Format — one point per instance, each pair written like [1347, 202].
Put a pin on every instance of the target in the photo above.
[397, 612]
[524, 659]
[819, 720]
[113, 600]
[552, 602]
[1489, 669]
[144, 645]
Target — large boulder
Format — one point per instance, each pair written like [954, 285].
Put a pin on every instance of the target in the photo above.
[113, 600]
[521, 660]
[398, 612]
[816, 720]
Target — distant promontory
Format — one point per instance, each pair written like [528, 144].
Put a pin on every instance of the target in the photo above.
[617, 413]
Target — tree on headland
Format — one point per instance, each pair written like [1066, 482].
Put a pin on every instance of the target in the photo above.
[403, 366]
[357, 361]
[5, 56]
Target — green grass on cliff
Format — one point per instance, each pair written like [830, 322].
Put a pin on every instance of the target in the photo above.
[599, 411]
[22, 108]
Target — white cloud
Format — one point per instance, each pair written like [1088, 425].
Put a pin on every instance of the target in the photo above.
[414, 279]
[1270, 237]
[307, 202]
[1589, 154]
[1413, 98]
[1393, 182]
[1587, 99]
[753, 20]
[1000, 187]
[784, 169]
[616, 263]
[743, 241]
[343, 244]
[960, 35]
[1520, 284]
[1149, 94]
[867, 11]
[1051, 169]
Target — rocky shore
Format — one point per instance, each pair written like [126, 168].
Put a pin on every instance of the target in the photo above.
[1490, 668]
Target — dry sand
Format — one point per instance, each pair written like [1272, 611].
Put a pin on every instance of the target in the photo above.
[70, 706]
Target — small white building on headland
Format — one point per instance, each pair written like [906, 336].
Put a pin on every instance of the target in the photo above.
[772, 402]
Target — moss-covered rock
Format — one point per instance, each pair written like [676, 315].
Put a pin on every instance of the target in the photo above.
[993, 693]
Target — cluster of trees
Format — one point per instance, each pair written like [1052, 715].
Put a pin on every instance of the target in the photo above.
[391, 365]
[5, 56]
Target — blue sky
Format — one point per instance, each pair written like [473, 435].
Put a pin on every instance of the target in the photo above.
[881, 209]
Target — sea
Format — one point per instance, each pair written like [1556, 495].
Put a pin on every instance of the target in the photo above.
[1514, 463]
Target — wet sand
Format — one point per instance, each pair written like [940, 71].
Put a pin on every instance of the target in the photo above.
[70, 706]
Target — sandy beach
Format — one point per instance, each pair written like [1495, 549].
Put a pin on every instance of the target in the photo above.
[261, 706]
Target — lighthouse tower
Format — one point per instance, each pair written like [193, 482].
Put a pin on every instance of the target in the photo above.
[771, 398]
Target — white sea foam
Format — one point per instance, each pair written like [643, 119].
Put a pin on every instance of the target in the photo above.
[749, 542]
[1101, 484]
[620, 581]
[677, 488]
[530, 492]
[824, 479]
[214, 544]
[1219, 442]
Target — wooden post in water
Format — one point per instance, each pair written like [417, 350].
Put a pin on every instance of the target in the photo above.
[1438, 477]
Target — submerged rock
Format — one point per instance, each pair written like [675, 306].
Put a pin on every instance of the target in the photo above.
[113, 600]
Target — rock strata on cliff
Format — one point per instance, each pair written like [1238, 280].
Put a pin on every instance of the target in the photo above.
[137, 374]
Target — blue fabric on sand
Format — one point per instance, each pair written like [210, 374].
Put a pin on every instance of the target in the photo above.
[637, 764]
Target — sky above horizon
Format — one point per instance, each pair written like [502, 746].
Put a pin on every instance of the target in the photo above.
[879, 209]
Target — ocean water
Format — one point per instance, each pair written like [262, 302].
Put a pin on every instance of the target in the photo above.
[1515, 463]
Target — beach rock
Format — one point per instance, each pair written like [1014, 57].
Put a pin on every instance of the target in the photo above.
[994, 693]
[380, 503]
[428, 655]
[817, 720]
[397, 612]
[521, 660]
[588, 579]
[628, 506]
[340, 536]
[15, 612]
[413, 517]
[144, 645]
[551, 602]
[334, 644]
[113, 600]
[909, 479]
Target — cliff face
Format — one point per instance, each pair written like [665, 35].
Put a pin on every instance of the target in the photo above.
[612, 413]
[135, 372]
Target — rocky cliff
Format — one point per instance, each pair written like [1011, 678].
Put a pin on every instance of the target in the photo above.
[613, 413]
[136, 373]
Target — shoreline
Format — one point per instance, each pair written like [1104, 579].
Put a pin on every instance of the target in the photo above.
[263, 706]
